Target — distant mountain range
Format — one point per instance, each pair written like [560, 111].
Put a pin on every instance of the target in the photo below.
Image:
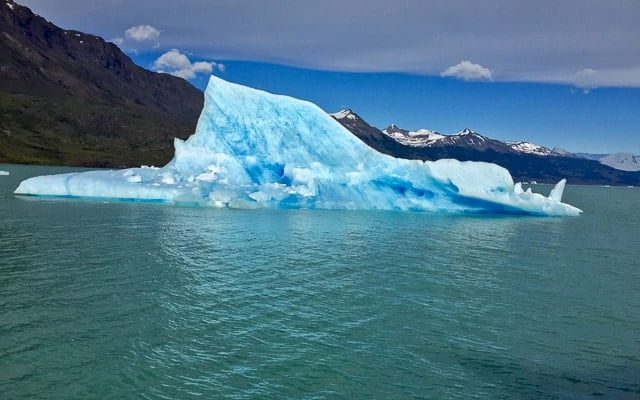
[621, 161]
[70, 98]
[526, 161]
[467, 137]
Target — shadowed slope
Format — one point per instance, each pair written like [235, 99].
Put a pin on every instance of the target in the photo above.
[70, 98]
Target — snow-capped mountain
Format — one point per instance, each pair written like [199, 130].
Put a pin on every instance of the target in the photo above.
[422, 137]
[563, 152]
[622, 161]
[427, 137]
[532, 148]
[525, 160]
[465, 137]
[345, 113]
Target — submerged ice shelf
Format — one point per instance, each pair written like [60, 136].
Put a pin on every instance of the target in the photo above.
[254, 149]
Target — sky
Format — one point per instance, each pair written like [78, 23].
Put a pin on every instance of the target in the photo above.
[555, 73]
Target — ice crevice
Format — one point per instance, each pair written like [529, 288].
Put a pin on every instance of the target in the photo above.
[254, 149]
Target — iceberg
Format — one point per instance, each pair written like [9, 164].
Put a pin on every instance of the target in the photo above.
[254, 149]
[4, 173]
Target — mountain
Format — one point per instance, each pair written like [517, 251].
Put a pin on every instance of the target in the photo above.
[465, 138]
[622, 161]
[71, 98]
[526, 161]
[563, 152]
[591, 156]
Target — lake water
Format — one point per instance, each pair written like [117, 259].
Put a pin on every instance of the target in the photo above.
[121, 300]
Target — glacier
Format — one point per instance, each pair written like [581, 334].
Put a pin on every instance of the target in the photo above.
[253, 149]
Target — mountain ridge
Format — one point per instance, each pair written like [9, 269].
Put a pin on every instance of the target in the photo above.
[72, 98]
[526, 161]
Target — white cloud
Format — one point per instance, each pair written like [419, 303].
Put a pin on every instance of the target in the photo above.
[142, 32]
[586, 79]
[468, 71]
[589, 79]
[178, 64]
[504, 35]
[118, 41]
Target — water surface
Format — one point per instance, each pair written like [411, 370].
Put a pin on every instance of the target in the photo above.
[124, 300]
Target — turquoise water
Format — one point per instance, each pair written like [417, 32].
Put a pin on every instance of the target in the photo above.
[120, 300]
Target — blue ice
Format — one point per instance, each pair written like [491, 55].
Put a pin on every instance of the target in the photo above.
[254, 149]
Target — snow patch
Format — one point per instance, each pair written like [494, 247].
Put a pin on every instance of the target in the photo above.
[344, 114]
[419, 138]
[531, 148]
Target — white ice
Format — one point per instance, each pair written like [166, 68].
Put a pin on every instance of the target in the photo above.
[254, 149]
[4, 173]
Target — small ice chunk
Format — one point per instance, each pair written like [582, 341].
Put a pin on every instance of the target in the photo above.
[517, 188]
[556, 192]
[4, 173]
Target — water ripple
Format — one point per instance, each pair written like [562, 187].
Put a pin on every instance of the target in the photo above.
[141, 301]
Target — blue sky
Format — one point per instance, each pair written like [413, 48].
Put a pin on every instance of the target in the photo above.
[602, 120]
[556, 73]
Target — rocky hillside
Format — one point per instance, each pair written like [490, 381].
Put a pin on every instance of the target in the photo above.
[69, 98]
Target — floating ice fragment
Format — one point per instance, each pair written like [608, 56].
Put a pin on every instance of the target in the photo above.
[556, 192]
[517, 188]
[253, 149]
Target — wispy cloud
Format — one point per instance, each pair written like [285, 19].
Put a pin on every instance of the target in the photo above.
[505, 36]
[141, 33]
[178, 64]
[468, 71]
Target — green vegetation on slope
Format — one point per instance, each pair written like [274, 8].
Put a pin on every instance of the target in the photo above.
[69, 98]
